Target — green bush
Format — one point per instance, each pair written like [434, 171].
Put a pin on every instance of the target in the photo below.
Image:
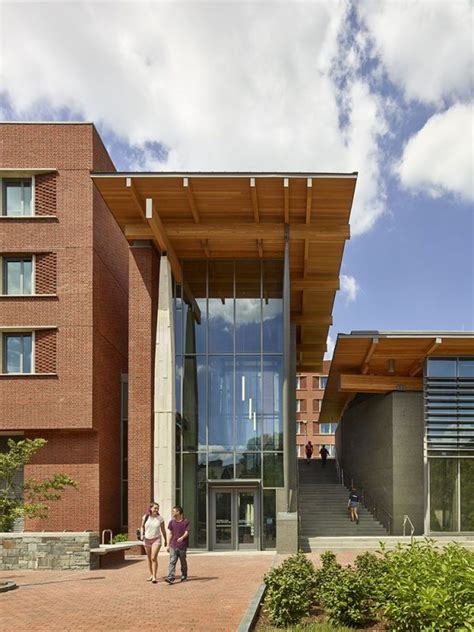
[120, 537]
[428, 589]
[291, 590]
[344, 593]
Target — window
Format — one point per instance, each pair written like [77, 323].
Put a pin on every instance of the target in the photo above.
[330, 448]
[323, 380]
[17, 353]
[327, 428]
[301, 428]
[298, 405]
[17, 198]
[17, 275]
[301, 382]
[316, 405]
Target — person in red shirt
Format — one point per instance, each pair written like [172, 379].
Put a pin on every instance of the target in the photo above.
[309, 451]
[178, 534]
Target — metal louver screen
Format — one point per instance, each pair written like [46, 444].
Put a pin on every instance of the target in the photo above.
[449, 414]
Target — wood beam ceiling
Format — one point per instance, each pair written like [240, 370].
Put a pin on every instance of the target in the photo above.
[309, 198]
[286, 195]
[418, 365]
[315, 283]
[370, 352]
[274, 231]
[310, 319]
[253, 193]
[349, 383]
[191, 200]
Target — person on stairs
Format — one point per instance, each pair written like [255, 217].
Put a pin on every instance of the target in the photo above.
[353, 504]
[309, 451]
[323, 453]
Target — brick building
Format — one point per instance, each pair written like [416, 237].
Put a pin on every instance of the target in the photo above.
[152, 325]
[63, 315]
[309, 395]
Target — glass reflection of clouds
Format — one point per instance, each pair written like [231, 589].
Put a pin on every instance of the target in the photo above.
[229, 375]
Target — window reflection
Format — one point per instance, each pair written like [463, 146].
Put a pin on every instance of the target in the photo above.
[221, 402]
[248, 307]
[248, 465]
[194, 402]
[221, 307]
[248, 407]
[221, 466]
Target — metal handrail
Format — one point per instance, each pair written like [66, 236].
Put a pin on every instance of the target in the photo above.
[406, 519]
[111, 535]
[376, 508]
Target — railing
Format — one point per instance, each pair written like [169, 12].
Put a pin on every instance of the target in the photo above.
[110, 534]
[374, 508]
[412, 527]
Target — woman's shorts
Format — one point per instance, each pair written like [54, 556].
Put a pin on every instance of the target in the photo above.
[354, 504]
[151, 541]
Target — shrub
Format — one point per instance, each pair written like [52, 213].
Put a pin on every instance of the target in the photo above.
[291, 589]
[120, 537]
[429, 589]
[346, 596]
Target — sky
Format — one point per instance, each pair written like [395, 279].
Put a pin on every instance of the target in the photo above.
[384, 88]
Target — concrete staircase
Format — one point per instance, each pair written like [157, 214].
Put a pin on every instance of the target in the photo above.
[323, 508]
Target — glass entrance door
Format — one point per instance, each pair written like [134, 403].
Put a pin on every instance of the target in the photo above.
[235, 519]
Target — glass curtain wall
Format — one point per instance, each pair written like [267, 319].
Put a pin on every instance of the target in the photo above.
[449, 430]
[229, 376]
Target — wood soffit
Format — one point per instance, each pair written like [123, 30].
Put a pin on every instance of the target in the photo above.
[237, 216]
[381, 363]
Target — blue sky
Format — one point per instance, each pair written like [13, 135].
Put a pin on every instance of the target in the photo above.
[382, 88]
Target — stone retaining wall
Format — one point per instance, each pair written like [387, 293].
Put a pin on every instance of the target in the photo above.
[48, 551]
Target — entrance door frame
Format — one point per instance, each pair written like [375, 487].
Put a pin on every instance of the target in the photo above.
[234, 487]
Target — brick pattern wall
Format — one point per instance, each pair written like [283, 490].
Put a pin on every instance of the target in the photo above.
[46, 273]
[45, 351]
[311, 396]
[143, 300]
[45, 194]
[77, 410]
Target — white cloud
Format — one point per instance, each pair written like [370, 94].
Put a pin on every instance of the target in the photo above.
[426, 47]
[228, 86]
[439, 158]
[349, 287]
[330, 347]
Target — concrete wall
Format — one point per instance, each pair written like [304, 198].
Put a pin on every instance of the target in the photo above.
[408, 470]
[380, 445]
[48, 551]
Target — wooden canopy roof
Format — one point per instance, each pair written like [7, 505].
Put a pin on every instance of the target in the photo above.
[381, 362]
[243, 215]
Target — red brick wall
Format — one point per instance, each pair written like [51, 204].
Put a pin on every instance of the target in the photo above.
[90, 312]
[143, 290]
[311, 396]
[76, 454]
[45, 351]
[45, 194]
[45, 273]
[110, 282]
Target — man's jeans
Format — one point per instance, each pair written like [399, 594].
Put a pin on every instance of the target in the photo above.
[174, 554]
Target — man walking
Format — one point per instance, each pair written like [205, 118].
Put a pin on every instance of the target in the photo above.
[309, 451]
[323, 453]
[178, 533]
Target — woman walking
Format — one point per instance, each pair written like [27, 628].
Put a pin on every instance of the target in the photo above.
[153, 529]
[353, 504]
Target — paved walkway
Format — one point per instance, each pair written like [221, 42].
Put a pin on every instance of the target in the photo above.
[219, 590]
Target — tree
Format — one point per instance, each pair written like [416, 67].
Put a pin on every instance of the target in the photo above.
[30, 497]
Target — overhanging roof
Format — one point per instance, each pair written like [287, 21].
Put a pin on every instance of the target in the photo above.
[194, 215]
[385, 361]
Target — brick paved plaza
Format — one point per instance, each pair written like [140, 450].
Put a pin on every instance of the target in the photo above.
[219, 590]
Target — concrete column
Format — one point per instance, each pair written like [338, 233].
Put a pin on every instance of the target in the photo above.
[164, 485]
[287, 436]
